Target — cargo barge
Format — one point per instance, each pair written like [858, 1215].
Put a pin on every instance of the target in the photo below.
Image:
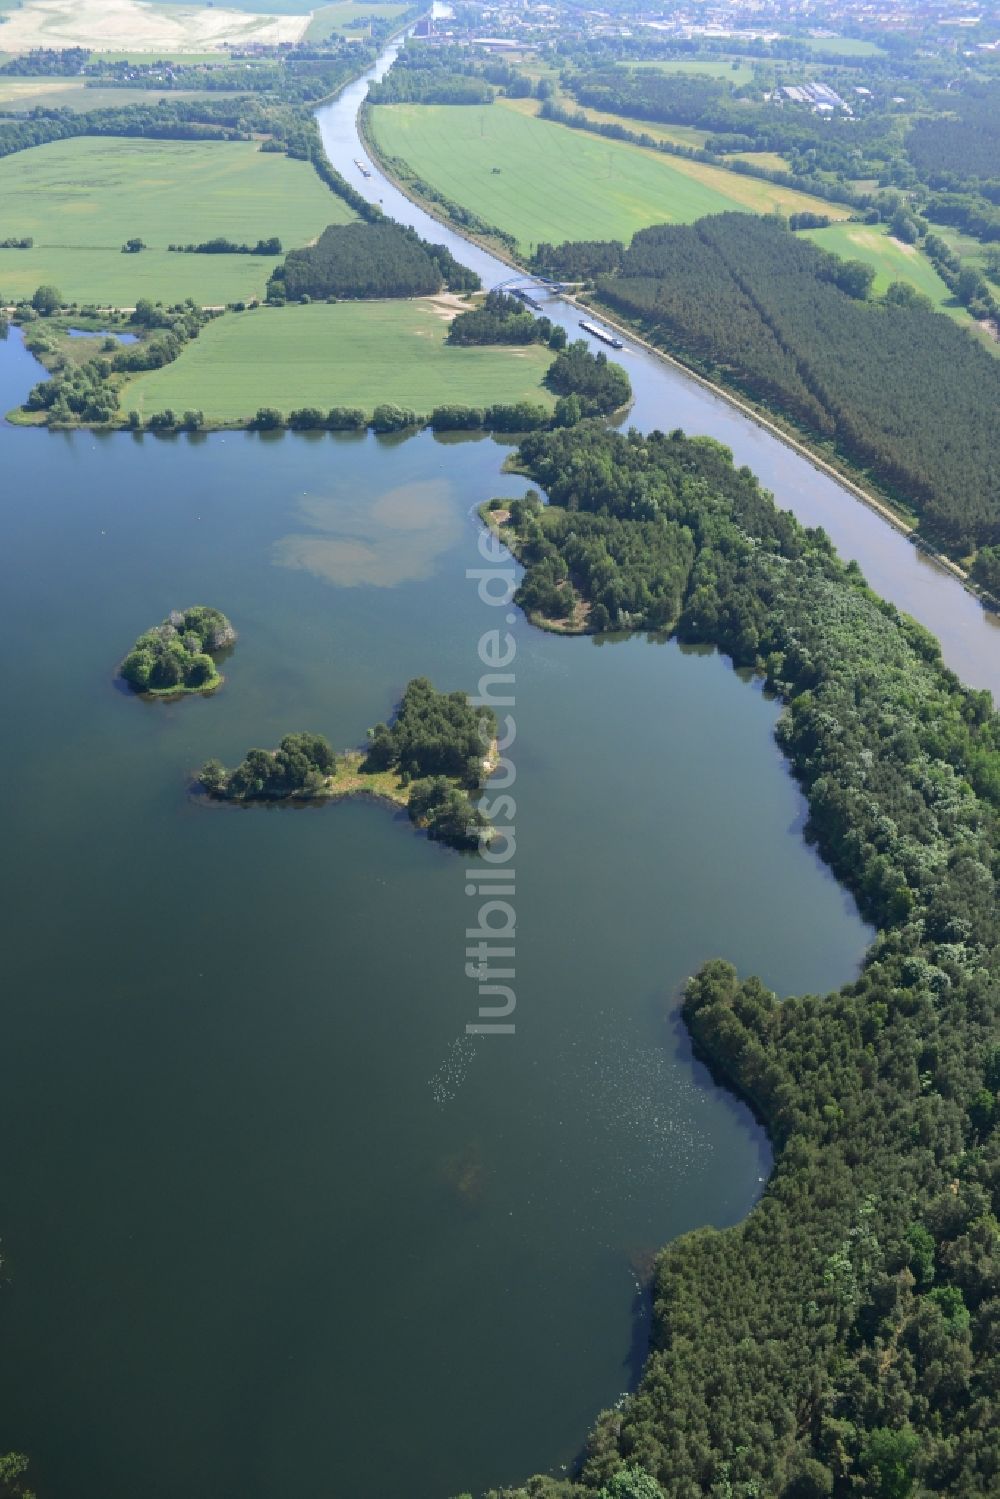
[606, 338]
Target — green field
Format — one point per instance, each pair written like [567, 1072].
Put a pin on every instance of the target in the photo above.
[81, 199]
[344, 17]
[735, 73]
[769, 160]
[840, 46]
[892, 261]
[22, 94]
[345, 354]
[556, 183]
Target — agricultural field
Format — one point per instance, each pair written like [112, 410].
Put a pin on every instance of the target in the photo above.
[840, 46]
[771, 161]
[81, 199]
[893, 261]
[138, 28]
[341, 354]
[546, 182]
[344, 18]
[22, 94]
[734, 72]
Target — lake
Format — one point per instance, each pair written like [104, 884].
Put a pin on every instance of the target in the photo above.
[272, 1221]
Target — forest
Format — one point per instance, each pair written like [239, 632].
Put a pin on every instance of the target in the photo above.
[439, 746]
[897, 390]
[842, 1339]
[502, 319]
[176, 656]
[379, 259]
[961, 148]
[592, 381]
[433, 734]
[452, 74]
[429, 86]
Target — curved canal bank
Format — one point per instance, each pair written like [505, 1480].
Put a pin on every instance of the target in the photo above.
[668, 395]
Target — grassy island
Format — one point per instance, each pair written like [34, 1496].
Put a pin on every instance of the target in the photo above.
[432, 759]
[176, 657]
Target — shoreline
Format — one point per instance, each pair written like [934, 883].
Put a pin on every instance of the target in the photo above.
[349, 780]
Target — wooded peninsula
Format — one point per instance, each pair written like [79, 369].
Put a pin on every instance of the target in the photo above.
[841, 1335]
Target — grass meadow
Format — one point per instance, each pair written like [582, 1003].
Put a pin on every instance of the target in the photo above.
[736, 72]
[840, 46]
[81, 199]
[546, 182]
[892, 260]
[341, 354]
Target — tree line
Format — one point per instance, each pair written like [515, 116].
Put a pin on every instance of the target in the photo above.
[423, 74]
[840, 1341]
[220, 245]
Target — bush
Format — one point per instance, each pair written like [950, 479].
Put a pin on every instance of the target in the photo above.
[268, 419]
[525, 416]
[456, 418]
[388, 418]
[346, 419]
[448, 813]
[306, 419]
[46, 299]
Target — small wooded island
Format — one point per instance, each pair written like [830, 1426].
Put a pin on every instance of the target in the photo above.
[175, 657]
[432, 759]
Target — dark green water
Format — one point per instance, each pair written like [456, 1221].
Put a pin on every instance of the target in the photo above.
[271, 1224]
